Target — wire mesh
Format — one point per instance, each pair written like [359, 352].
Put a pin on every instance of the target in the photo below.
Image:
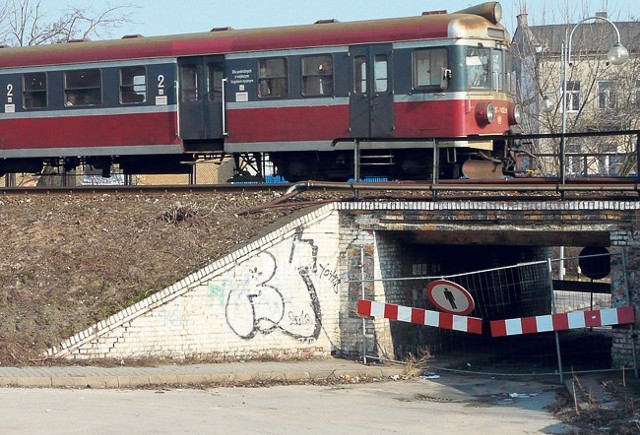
[521, 290]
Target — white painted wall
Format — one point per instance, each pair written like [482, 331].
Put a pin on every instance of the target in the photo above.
[277, 297]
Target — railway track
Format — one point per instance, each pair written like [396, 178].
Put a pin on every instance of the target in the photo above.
[515, 188]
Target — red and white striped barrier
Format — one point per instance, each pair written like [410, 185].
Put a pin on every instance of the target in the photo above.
[419, 316]
[562, 322]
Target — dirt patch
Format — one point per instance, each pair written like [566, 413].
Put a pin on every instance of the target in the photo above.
[600, 403]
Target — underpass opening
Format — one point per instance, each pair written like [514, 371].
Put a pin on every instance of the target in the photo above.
[508, 279]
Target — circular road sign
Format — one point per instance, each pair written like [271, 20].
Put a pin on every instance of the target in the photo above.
[594, 262]
[450, 297]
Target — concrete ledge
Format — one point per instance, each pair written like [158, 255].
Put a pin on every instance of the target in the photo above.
[7, 381]
[296, 376]
[33, 381]
[132, 381]
[101, 382]
[270, 376]
[163, 380]
[68, 381]
[221, 378]
[215, 374]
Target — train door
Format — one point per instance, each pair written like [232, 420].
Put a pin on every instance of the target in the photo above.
[371, 96]
[200, 99]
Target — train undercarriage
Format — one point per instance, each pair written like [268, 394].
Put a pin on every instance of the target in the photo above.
[340, 165]
[400, 164]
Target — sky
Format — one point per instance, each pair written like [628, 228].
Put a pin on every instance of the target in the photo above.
[166, 17]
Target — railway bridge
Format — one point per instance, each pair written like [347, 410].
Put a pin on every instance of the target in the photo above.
[295, 291]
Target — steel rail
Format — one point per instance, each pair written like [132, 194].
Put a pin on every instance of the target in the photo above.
[500, 185]
[471, 186]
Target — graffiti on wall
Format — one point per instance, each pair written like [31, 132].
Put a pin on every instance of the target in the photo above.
[325, 273]
[269, 299]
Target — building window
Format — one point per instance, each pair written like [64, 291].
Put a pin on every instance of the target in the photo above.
[272, 79]
[477, 65]
[607, 94]
[133, 85]
[428, 68]
[572, 98]
[83, 88]
[34, 95]
[317, 76]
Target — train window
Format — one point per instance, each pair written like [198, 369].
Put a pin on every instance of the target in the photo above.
[510, 73]
[133, 85]
[83, 88]
[272, 79]
[428, 65]
[188, 83]
[381, 73]
[360, 79]
[497, 70]
[34, 95]
[477, 63]
[214, 85]
[317, 76]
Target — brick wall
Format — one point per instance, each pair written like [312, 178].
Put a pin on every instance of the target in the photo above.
[277, 297]
[281, 296]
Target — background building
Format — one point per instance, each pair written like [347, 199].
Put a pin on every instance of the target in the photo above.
[600, 96]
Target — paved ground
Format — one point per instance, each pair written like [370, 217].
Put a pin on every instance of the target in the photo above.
[424, 404]
[223, 373]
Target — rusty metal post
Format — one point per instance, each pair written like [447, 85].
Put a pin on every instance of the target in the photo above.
[553, 311]
[632, 332]
[638, 155]
[435, 168]
[356, 168]
[362, 295]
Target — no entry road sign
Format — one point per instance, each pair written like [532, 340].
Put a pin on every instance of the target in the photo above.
[450, 297]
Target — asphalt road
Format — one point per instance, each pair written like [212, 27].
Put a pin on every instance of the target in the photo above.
[440, 406]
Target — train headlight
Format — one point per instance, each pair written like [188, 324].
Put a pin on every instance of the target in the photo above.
[491, 113]
[515, 114]
[485, 113]
[497, 12]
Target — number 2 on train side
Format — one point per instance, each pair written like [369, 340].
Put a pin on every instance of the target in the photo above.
[160, 84]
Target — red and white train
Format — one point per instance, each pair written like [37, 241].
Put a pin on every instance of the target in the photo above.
[153, 105]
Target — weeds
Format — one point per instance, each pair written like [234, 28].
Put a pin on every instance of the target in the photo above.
[179, 213]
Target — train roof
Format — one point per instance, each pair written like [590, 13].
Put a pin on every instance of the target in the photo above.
[469, 23]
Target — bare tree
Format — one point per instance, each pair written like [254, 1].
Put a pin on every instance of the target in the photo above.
[28, 23]
[25, 22]
[600, 96]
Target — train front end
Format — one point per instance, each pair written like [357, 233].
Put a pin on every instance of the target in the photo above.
[461, 94]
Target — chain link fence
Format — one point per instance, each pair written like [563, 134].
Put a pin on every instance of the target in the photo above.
[506, 295]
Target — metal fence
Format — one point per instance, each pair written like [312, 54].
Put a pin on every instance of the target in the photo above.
[514, 295]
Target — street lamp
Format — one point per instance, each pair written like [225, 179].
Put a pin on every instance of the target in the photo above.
[547, 104]
[617, 55]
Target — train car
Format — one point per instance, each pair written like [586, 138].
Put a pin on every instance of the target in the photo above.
[153, 105]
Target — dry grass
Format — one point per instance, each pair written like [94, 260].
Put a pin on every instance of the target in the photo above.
[67, 262]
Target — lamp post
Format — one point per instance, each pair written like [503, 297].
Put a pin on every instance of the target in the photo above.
[617, 55]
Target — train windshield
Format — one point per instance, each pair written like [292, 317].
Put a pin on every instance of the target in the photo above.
[486, 69]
